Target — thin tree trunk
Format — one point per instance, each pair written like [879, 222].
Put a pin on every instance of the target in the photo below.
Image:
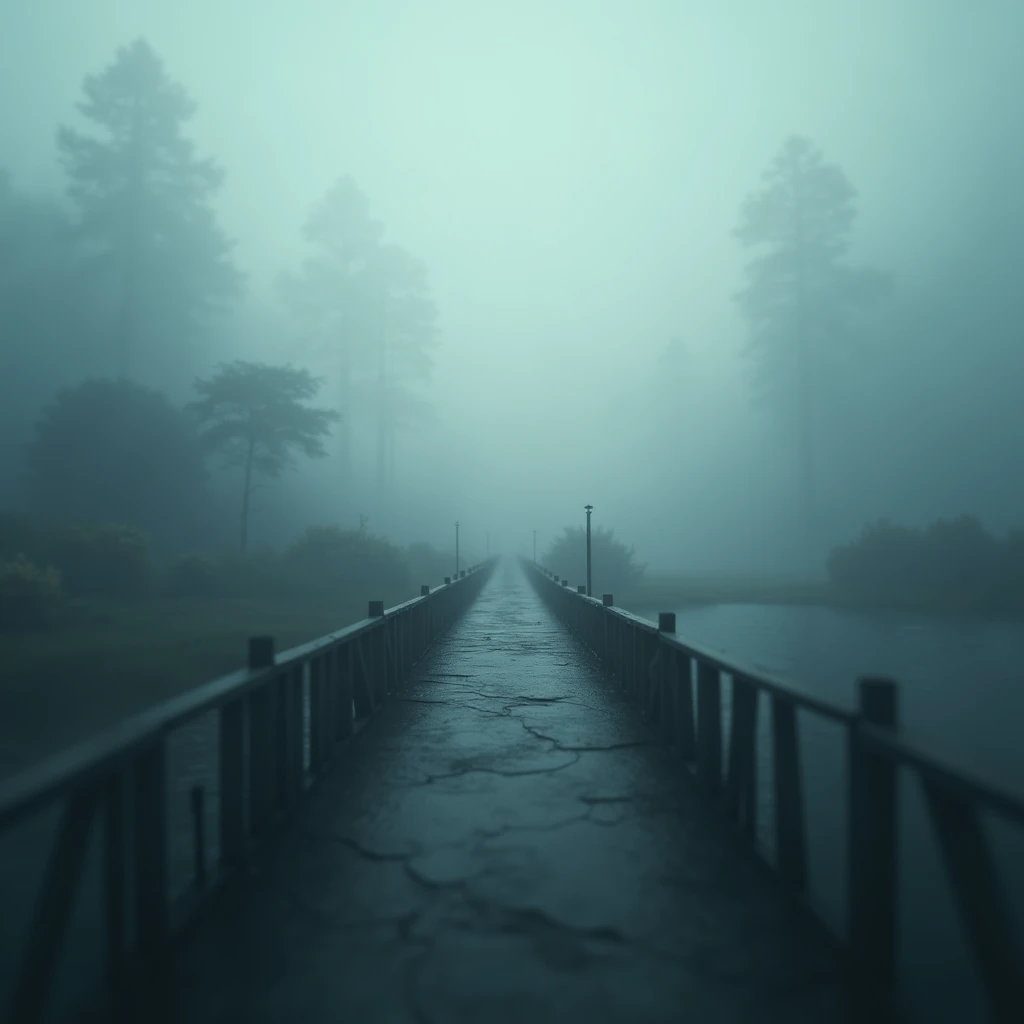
[128, 319]
[246, 492]
[382, 417]
[805, 383]
[128, 326]
[345, 428]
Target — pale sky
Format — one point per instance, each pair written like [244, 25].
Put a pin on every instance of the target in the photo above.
[568, 171]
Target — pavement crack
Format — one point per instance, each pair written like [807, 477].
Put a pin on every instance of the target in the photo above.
[581, 749]
[508, 773]
[376, 856]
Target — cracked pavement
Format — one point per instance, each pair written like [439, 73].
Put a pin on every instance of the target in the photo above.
[505, 841]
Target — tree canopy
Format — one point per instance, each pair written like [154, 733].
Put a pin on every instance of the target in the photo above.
[256, 416]
[113, 451]
[615, 568]
[142, 199]
[799, 291]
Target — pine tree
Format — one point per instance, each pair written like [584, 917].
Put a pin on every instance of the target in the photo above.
[329, 298]
[142, 198]
[799, 291]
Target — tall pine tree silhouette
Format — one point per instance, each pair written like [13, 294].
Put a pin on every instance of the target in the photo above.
[329, 298]
[142, 199]
[799, 290]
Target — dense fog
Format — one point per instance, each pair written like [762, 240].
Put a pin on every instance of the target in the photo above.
[533, 253]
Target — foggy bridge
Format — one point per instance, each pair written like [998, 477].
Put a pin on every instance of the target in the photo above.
[504, 800]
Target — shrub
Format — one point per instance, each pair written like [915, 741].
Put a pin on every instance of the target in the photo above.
[30, 595]
[330, 558]
[105, 561]
[192, 576]
[258, 573]
[115, 451]
[615, 569]
[883, 558]
[427, 564]
[955, 563]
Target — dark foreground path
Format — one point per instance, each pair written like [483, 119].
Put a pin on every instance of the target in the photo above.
[506, 842]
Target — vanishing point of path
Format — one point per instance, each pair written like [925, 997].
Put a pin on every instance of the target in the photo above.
[505, 842]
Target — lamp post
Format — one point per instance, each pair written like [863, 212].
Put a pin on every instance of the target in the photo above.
[588, 509]
[456, 549]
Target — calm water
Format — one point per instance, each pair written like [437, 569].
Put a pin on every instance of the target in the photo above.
[961, 690]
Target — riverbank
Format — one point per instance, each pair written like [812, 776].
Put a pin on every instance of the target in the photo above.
[678, 591]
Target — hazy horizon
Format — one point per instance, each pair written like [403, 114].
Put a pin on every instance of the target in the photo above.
[570, 175]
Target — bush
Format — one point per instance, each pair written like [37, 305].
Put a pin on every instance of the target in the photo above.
[30, 595]
[884, 557]
[115, 451]
[956, 562]
[193, 576]
[105, 561]
[428, 565]
[615, 569]
[330, 558]
[257, 573]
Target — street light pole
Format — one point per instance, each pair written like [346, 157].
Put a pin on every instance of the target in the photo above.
[456, 549]
[590, 590]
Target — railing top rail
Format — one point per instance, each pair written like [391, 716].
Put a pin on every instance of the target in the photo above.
[898, 745]
[760, 679]
[765, 681]
[974, 784]
[81, 763]
[637, 620]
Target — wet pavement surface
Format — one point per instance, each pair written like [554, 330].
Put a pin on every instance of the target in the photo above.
[506, 841]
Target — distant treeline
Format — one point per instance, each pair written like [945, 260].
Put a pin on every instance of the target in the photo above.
[50, 575]
[615, 569]
[955, 564]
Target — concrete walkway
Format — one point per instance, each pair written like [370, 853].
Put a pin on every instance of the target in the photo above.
[505, 843]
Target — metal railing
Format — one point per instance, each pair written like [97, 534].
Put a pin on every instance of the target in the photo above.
[279, 721]
[679, 688]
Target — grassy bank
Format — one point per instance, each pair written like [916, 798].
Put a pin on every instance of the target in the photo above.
[108, 660]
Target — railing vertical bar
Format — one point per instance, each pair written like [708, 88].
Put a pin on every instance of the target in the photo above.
[232, 780]
[150, 806]
[790, 837]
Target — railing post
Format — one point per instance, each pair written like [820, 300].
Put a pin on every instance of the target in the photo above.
[378, 655]
[666, 681]
[709, 727]
[871, 897]
[741, 781]
[232, 781]
[790, 839]
[345, 669]
[197, 801]
[262, 738]
[150, 806]
[316, 750]
[686, 732]
[114, 879]
[41, 953]
[607, 601]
